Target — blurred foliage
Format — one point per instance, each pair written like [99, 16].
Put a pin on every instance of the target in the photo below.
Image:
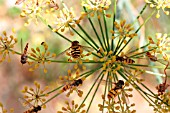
[13, 11]
[2, 2]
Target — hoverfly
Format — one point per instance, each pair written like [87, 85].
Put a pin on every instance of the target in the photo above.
[19, 2]
[125, 59]
[32, 109]
[75, 83]
[116, 89]
[53, 4]
[151, 57]
[76, 50]
[24, 55]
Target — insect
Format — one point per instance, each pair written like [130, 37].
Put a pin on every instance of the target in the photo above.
[32, 109]
[115, 90]
[24, 55]
[19, 2]
[53, 4]
[162, 87]
[75, 83]
[151, 57]
[76, 50]
[125, 59]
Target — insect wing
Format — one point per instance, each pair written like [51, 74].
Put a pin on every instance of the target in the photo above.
[18, 2]
[89, 49]
[124, 98]
[103, 82]
[62, 53]
[25, 103]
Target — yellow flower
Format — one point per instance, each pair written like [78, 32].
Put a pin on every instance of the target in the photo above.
[65, 19]
[34, 9]
[72, 82]
[36, 96]
[6, 45]
[73, 108]
[97, 6]
[160, 45]
[40, 57]
[158, 4]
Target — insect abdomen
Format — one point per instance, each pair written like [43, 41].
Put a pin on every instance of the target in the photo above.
[75, 52]
[112, 94]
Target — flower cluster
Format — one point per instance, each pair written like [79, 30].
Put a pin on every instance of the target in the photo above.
[123, 31]
[73, 108]
[159, 4]
[6, 45]
[65, 19]
[114, 105]
[163, 105]
[3, 110]
[40, 57]
[72, 82]
[160, 46]
[35, 96]
[36, 9]
[96, 6]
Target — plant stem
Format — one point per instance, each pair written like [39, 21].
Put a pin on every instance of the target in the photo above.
[94, 93]
[94, 29]
[114, 18]
[106, 31]
[83, 38]
[88, 36]
[101, 30]
[90, 89]
[60, 34]
[138, 30]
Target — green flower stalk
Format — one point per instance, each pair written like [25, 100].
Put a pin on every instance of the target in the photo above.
[100, 52]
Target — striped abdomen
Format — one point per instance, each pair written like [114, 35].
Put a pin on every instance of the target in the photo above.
[75, 51]
[112, 94]
[66, 87]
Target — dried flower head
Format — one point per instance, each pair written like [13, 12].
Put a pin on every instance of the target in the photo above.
[73, 108]
[40, 57]
[36, 96]
[159, 4]
[6, 45]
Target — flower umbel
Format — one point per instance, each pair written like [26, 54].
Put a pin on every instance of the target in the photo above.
[40, 57]
[73, 108]
[158, 4]
[35, 9]
[72, 82]
[35, 96]
[6, 45]
[160, 46]
[96, 6]
[65, 19]
[3, 110]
